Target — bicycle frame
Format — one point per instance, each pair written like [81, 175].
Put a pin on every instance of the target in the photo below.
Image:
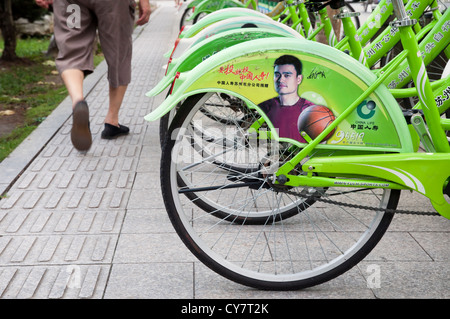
[425, 179]
[426, 173]
[435, 42]
[357, 39]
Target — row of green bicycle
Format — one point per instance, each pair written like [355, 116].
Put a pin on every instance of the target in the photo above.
[284, 158]
[223, 29]
[358, 42]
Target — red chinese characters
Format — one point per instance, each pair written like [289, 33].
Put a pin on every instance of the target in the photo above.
[243, 73]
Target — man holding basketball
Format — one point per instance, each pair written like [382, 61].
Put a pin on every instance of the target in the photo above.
[284, 109]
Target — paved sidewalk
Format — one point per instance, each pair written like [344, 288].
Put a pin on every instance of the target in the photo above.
[94, 225]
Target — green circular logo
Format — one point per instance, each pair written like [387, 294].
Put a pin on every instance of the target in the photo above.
[366, 109]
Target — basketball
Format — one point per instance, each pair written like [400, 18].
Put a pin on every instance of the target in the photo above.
[314, 119]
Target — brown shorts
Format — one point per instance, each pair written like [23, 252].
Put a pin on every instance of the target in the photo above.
[76, 23]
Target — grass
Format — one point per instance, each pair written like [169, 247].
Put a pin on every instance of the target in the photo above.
[32, 87]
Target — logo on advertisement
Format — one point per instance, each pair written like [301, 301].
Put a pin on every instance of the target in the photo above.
[366, 109]
[74, 19]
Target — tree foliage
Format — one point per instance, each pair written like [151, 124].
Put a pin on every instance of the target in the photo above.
[11, 10]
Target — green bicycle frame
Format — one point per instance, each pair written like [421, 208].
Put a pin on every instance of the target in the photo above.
[379, 47]
[436, 41]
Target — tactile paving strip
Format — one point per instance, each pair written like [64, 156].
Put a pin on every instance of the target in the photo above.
[61, 220]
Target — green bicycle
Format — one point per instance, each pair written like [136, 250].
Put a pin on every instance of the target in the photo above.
[210, 40]
[285, 213]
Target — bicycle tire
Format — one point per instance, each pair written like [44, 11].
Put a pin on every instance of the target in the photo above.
[278, 247]
[200, 16]
[186, 14]
[213, 205]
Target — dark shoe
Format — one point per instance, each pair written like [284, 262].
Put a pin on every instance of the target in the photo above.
[81, 133]
[111, 131]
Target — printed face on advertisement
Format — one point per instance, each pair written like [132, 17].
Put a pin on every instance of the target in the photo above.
[286, 79]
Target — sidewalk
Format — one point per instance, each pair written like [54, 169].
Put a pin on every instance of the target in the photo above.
[94, 225]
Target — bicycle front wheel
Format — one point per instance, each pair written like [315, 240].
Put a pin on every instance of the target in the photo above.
[299, 240]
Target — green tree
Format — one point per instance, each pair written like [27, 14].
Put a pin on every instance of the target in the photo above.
[9, 11]
[8, 31]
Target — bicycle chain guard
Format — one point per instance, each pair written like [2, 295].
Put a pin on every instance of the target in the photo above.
[426, 173]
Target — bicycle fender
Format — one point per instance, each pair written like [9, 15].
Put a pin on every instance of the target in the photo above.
[215, 17]
[219, 16]
[209, 6]
[212, 45]
[229, 24]
[194, 3]
[330, 78]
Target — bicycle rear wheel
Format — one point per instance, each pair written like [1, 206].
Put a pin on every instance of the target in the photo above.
[188, 12]
[218, 139]
[299, 240]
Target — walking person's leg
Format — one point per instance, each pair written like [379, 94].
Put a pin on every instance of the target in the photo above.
[116, 42]
[75, 32]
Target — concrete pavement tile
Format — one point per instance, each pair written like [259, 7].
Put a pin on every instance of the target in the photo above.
[208, 284]
[145, 199]
[147, 221]
[102, 199]
[62, 249]
[152, 134]
[434, 243]
[412, 280]
[150, 158]
[47, 222]
[147, 180]
[414, 201]
[397, 246]
[402, 222]
[53, 282]
[148, 248]
[150, 281]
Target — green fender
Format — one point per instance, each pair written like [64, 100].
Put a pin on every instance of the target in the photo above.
[228, 24]
[219, 15]
[245, 70]
[194, 3]
[202, 50]
[215, 17]
[209, 6]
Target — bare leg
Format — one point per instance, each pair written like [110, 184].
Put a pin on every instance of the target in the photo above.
[80, 133]
[73, 79]
[112, 127]
[115, 101]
